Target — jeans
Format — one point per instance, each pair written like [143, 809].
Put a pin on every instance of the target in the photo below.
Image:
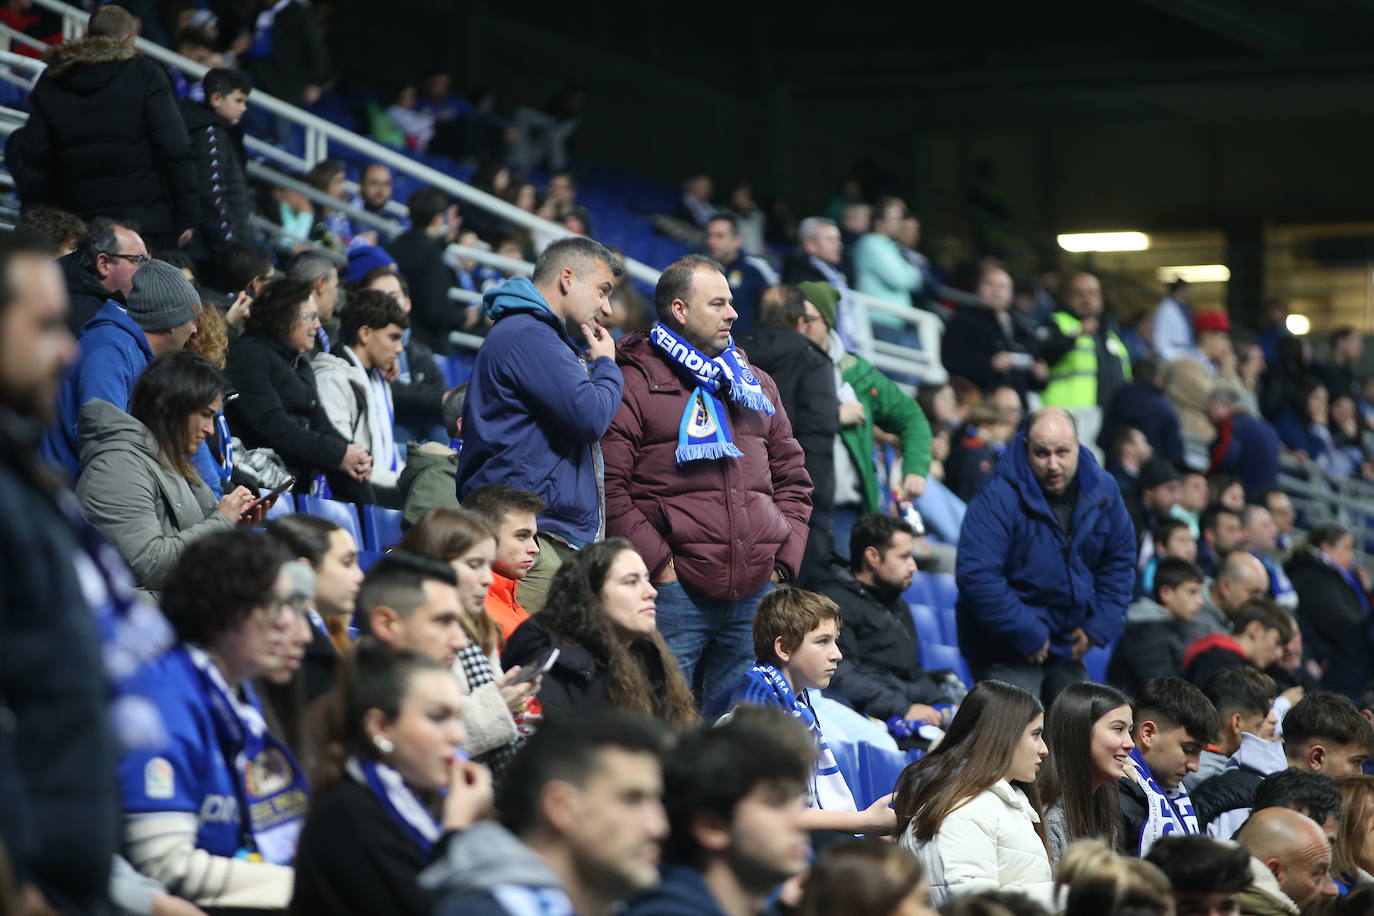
[713, 638]
[1045, 681]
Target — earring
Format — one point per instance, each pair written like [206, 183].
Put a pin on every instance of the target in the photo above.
[383, 744]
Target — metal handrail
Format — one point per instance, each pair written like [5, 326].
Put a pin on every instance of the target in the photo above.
[272, 176]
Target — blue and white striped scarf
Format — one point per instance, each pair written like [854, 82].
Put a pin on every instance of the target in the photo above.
[1165, 815]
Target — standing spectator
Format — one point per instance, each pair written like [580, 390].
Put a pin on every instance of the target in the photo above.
[820, 260]
[1087, 361]
[419, 254]
[1341, 374]
[104, 137]
[100, 269]
[288, 58]
[1023, 616]
[1158, 629]
[748, 275]
[226, 204]
[513, 515]
[696, 207]
[1173, 324]
[988, 345]
[703, 475]
[1142, 404]
[882, 272]
[1292, 852]
[537, 410]
[1334, 609]
[1245, 444]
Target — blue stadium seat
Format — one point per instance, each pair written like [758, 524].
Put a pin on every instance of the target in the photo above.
[879, 768]
[284, 505]
[1096, 660]
[381, 527]
[928, 627]
[949, 625]
[935, 657]
[345, 515]
[944, 591]
[920, 591]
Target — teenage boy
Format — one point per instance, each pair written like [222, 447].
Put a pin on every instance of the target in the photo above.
[1244, 699]
[1222, 801]
[1207, 876]
[1174, 721]
[796, 642]
[1157, 628]
[1262, 629]
[513, 513]
[226, 204]
[1170, 538]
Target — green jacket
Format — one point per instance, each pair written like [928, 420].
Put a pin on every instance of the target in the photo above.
[428, 480]
[887, 406]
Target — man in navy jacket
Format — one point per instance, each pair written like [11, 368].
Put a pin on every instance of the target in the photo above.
[536, 410]
[1045, 567]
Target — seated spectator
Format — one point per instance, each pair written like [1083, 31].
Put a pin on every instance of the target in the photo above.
[410, 603]
[1088, 732]
[582, 809]
[1126, 454]
[1244, 700]
[1097, 882]
[1158, 629]
[226, 205]
[880, 674]
[977, 454]
[278, 404]
[1194, 497]
[987, 344]
[1141, 404]
[427, 481]
[747, 275]
[1221, 532]
[416, 124]
[600, 617]
[734, 798]
[513, 515]
[1171, 538]
[353, 387]
[1294, 859]
[697, 207]
[865, 878]
[1241, 578]
[1227, 491]
[419, 254]
[1245, 445]
[1352, 859]
[320, 271]
[374, 189]
[62, 231]
[969, 809]
[215, 814]
[336, 230]
[376, 813]
[1173, 722]
[1307, 792]
[1260, 630]
[1262, 538]
[818, 260]
[1207, 876]
[1280, 508]
[137, 483]
[1354, 443]
[1304, 429]
[1334, 609]
[242, 271]
[1160, 487]
[1224, 800]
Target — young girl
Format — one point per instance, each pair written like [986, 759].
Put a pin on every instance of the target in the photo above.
[969, 810]
[1089, 735]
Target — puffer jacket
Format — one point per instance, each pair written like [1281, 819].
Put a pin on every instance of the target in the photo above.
[226, 205]
[148, 511]
[726, 524]
[989, 842]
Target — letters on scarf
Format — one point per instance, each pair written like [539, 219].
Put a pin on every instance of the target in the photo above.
[705, 430]
[1166, 815]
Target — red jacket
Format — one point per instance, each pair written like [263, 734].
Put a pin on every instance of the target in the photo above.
[726, 524]
[502, 606]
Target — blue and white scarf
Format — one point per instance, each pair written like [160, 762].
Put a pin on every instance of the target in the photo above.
[401, 803]
[269, 781]
[764, 685]
[705, 430]
[1165, 815]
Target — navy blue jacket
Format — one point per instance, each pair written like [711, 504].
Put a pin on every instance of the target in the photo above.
[682, 892]
[1149, 410]
[748, 278]
[1022, 580]
[534, 416]
[1248, 447]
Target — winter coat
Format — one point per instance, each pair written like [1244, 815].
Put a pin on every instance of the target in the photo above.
[298, 56]
[881, 271]
[727, 524]
[226, 204]
[1152, 645]
[890, 408]
[486, 717]
[1146, 408]
[345, 391]
[986, 844]
[1186, 384]
[1248, 447]
[85, 295]
[1022, 581]
[682, 892]
[469, 867]
[806, 383]
[1223, 802]
[503, 606]
[1264, 897]
[1209, 654]
[974, 335]
[748, 277]
[880, 674]
[420, 259]
[534, 414]
[105, 138]
[148, 511]
[427, 480]
[1336, 627]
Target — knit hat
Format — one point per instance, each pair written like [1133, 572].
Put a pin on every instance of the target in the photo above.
[823, 296]
[363, 259]
[162, 297]
[1212, 321]
[1156, 472]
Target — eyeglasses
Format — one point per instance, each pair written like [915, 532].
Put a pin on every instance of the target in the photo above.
[310, 317]
[131, 258]
[279, 610]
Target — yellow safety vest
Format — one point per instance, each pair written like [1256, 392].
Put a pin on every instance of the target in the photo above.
[1073, 380]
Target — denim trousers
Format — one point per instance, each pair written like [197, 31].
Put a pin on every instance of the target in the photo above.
[713, 638]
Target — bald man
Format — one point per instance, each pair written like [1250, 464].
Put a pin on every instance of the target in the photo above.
[1241, 578]
[1046, 561]
[1291, 859]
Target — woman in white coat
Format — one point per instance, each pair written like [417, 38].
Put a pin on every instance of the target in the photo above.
[969, 810]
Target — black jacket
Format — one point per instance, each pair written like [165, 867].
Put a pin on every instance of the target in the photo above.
[59, 800]
[1134, 808]
[299, 56]
[420, 259]
[880, 674]
[1336, 628]
[805, 377]
[418, 401]
[1226, 791]
[797, 268]
[105, 138]
[226, 206]
[974, 336]
[1148, 648]
[84, 292]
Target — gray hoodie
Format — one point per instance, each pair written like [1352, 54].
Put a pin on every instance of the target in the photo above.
[146, 510]
[486, 869]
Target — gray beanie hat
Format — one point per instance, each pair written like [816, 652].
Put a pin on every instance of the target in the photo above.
[162, 297]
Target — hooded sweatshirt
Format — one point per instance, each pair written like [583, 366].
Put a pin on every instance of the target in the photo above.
[487, 871]
[1224, 801]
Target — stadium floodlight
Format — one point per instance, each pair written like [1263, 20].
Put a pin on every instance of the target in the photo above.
[1195, 273]
[1104, 241]
[1297, 325]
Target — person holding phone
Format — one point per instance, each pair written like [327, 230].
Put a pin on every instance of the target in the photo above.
[138, 484]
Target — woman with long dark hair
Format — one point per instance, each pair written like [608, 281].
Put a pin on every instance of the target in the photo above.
[1088, 731]
[969, 810]
[600, 616]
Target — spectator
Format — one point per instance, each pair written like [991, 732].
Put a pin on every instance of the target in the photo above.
[278, 405]
[1223, 533]
[288, 58]
[104, 137]
[1097, 882]
[1173, 323]
[102, 268]
[1194, 496]
[734, 799]
[880, 674]
[1127, 454]
[1341, 374]
[1088, 732]
[820, 260]
[880, 270]
[984, 442]
[1250, 368]
[1281, 510]
[60, 229]
[1087, 361]
[117, 344]
[1141, 404]
[1241, 578]
[1295, 856]
[1260, 631]
[987, 345]
[137, 483]
[601, 619]
[1160, 488]
[1207, 876]
[748, 275]
[410, 603]
[1352, 861]
[229, 599]
[373, 822]
[416, 124]
[583, 822]
[226, 205]
[353, 388]
[535, 416]
[320, 271]
[1334, 609]
[513, 515]
[244, 269]
[1173, 722]
[1243, 697]
[750, 221]
[427, 481]
[715, 497]
[1354, 443]
[1019, 617]
[1158, 628]
[1304, 429]
[969, 809]
[1261, 536]
[419, 256]
[865, 878]
[1170, 538]
[374, 190]
[1309, 793]
[696, 207]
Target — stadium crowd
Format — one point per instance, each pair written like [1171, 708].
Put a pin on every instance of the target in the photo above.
[649, 581]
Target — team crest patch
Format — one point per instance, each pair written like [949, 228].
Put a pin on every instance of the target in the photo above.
[158, 781]
[268, 773]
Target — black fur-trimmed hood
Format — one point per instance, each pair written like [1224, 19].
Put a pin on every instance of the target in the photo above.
[102, 49]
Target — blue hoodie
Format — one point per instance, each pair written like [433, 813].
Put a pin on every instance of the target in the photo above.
[1022, 580]
[535, 415]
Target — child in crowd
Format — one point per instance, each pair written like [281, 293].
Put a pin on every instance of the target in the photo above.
[1262, 629]
[226, 204]
[1170, 538]
[1158, 628]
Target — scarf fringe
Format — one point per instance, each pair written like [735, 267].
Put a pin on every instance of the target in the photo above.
[754, 400]
[695, 451]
